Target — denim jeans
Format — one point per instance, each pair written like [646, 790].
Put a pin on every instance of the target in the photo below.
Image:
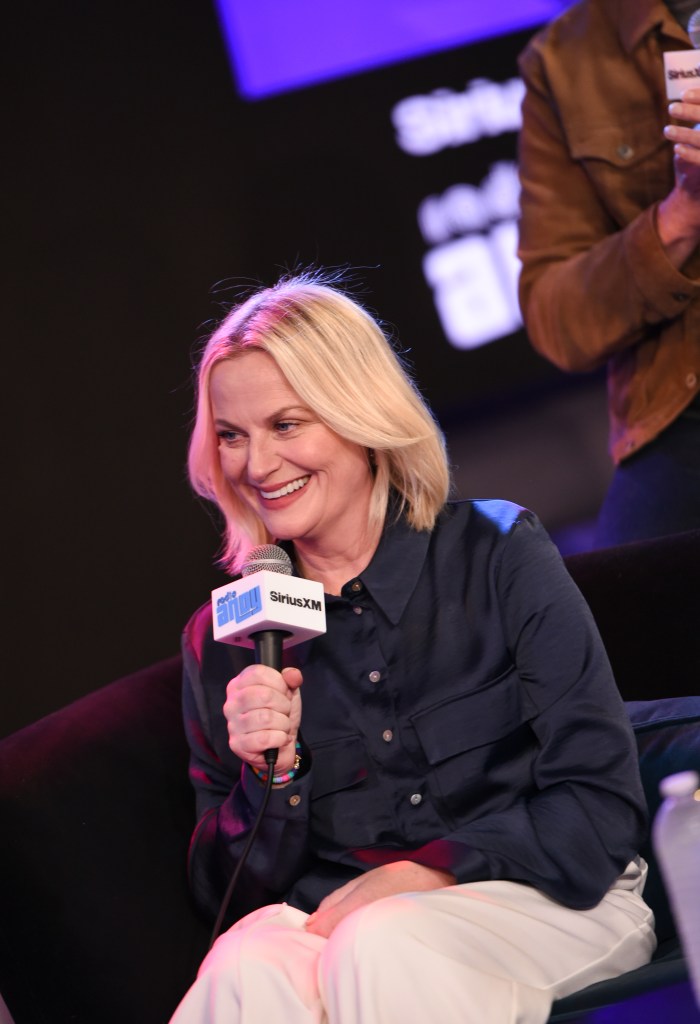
[657, 491]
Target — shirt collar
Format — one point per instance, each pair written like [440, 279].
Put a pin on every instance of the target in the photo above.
[635, 19]
[392, 575]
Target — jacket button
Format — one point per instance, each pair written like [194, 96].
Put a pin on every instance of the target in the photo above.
[415, 799]
[387, 735]
[295, 800]
[375, 676]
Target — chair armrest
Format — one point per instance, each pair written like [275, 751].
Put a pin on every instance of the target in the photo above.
[97, 813]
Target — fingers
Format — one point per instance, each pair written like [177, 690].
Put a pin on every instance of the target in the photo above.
[339, 894]
[686, 142]
[292, 677]
[387, 880]
[688, 107]
[676, 133]
[324, 920]
[262, 711]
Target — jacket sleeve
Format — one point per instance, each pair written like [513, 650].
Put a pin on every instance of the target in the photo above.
[585, 817]
[228, 798]
[595, 278]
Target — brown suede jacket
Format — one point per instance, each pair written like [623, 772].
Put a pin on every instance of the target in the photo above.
[596, 285]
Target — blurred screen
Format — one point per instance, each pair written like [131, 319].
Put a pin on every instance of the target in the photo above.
[406, 171]
[275, 45]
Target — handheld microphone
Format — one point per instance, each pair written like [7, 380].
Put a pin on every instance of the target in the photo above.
[682, 67]
[268, 609]
[694, 28]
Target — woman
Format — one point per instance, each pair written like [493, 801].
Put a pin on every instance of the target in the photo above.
[454, 831]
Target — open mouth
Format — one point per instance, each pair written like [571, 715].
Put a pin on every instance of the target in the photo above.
[289, 488]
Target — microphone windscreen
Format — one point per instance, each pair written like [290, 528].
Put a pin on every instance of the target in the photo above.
[694, 29]
[267, 556]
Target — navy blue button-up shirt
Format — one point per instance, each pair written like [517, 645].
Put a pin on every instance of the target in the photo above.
[460, 711]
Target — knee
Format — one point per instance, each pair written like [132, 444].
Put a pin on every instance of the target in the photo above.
[248, 939]
[224, 952]
[369, 936]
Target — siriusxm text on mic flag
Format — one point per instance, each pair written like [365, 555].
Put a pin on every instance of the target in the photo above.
[268, 601]
[682, 71]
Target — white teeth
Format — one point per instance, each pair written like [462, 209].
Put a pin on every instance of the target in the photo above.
[287, 489]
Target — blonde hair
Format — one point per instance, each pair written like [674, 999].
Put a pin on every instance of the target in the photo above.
[340, 363]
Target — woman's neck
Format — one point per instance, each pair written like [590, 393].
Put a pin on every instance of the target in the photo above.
[334, 566]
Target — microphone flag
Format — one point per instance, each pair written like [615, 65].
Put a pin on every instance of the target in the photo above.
[682, 67]
[265, 601]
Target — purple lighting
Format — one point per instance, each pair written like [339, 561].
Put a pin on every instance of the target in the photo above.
[278, 45]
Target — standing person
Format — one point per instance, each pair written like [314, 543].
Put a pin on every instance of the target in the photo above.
[609, 237]
[454, 830]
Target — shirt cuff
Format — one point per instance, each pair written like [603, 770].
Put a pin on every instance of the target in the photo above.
[291, 801]
[461, 860]
[662, 287]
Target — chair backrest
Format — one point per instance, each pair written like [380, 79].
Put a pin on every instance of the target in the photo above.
[646, 603]
[668, 739]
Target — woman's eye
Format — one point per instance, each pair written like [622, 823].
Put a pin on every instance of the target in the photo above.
[228, 437]
[284, 426]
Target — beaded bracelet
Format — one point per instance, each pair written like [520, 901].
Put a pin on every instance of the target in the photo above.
[279, 780]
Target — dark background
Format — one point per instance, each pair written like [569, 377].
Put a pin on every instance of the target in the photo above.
[141, 195]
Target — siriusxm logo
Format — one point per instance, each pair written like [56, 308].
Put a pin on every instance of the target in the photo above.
[299, 602]
[684, 73]
[231, 607]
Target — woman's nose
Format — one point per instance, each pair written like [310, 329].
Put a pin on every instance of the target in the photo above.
[262, 458]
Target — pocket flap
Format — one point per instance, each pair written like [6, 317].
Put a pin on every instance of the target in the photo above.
[471, 720]
[338, 764]
[620, 145]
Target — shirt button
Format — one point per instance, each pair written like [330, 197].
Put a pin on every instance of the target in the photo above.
[375, 676]
[691, 380]
[295, 800]
[357, 610]
[680, 296]
[625, 152]
[356, 586]
[415, 799]
[387, 735]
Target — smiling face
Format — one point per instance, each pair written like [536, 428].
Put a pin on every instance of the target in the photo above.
[304, 482]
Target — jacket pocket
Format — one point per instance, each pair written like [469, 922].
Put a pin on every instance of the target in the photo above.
[479, 746]
[630, 164]
[339, 799]
[338, 764]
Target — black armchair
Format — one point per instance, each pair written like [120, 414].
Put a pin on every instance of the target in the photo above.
[96, 922]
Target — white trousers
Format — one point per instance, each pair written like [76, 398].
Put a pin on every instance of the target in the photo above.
[480, 953]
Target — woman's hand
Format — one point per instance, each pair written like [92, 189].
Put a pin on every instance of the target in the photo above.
[263, 710]
[678, 217]
[387, 880]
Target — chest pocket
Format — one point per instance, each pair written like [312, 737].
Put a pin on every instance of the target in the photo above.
[339, 818]
[631, 164]
[478, 745]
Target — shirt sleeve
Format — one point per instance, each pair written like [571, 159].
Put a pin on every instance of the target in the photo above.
[228, 798]
[591, 286]
[586, 818]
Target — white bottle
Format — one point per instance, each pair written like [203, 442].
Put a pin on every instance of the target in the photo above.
[676, 837]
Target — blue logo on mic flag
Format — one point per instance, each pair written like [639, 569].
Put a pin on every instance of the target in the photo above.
[234, 608]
